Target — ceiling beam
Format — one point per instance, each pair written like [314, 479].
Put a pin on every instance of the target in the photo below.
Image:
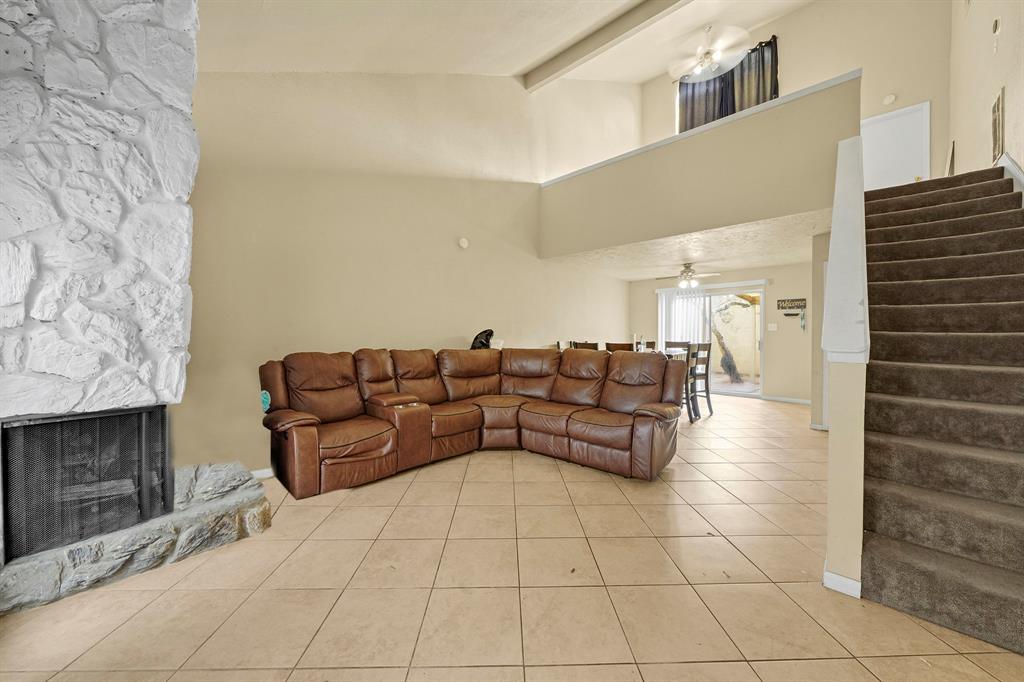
[604, 38]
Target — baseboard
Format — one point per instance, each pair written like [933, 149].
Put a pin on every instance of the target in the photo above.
[819, 427]
[783, 399]
[262, 473]
[840, 583]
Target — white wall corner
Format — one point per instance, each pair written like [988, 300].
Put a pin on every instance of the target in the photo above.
[98, 156]
[840, 583]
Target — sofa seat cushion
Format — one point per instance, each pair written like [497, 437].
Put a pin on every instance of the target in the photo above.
[354, 436]
[448, 419]
[500, 411]
[602, 427]
[546, 416]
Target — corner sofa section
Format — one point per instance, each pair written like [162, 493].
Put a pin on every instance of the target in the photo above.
[338, 420]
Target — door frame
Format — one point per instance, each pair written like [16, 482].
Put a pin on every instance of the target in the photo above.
[761, 286]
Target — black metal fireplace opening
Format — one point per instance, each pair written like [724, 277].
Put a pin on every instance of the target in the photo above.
[70, 477]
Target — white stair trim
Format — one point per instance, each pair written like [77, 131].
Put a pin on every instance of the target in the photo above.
[840, 583]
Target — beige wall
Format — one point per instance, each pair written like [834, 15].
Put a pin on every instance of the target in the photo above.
[980, 64]
[779, 161]
[819, 259]
[658, 99]
[902, 46]
[787, 352]
[327, 213]
[577, 123]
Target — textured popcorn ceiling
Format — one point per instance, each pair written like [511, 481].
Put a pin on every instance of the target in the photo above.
[97, 160]
[777, 241]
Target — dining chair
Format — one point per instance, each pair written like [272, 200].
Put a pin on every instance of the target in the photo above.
[681, 350]
[612, 347]
[586, 345]
[701, 354]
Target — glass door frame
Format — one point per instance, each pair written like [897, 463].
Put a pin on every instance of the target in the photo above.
[759, 286]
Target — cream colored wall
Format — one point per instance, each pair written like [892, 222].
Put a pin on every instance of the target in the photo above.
[578, 123]
[787, 352]
[327, 213]
[658, 101]
[901, 45]
[980, 64]
[819, 258]
[779, 161]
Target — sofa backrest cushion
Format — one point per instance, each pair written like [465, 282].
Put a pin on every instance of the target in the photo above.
[469, 373]
[272, 381]
[416, 373]
[633, 379]
[376, 372]
[675, 377]
[323, 384]
[529, 372]
[580, 377]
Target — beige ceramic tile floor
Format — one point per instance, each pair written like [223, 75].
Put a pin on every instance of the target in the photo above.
[513, 566]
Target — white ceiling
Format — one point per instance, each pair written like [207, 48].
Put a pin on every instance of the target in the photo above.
[501, 38]
[765, 243]
[646, 54]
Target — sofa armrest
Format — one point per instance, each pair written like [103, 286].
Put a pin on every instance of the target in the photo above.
[660, 411]
[392, 399]
[282, 420]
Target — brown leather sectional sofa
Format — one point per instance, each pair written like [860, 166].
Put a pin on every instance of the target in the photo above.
[338, 420]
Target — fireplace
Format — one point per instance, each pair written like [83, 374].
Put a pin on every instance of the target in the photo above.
[71, 477]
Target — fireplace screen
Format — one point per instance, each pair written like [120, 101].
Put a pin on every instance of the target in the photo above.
[71, 477]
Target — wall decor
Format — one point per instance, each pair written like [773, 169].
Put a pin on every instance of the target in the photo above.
[98, 156]
[791, 303]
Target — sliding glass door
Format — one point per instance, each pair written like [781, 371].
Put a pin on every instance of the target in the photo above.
[730, 318]
[736, 342]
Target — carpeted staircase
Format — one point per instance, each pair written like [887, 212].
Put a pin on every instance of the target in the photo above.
[944, 412]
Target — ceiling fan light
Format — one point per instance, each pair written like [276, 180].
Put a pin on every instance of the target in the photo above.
[697, 69]
[693, 283]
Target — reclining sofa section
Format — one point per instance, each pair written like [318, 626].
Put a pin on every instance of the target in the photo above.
[338, 420]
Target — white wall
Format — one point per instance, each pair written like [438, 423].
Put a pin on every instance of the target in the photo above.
[97, 159]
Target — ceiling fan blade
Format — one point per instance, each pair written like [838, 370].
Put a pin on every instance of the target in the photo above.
[708, 274]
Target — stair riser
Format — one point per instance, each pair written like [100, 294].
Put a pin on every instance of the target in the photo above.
[984, 265]
[972, 178]
[938, 197]
[1005, 350]
[981, 317]
[1003, 202]
[959, 604]
[948, 228]
[979, 385]
[966, 423]
[988, 541]
[986, 242]
[966, 290]
[936, 468]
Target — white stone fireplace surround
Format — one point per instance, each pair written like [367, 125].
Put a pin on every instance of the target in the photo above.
[97, 161]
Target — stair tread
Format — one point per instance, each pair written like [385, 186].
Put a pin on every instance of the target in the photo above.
[948, 238]
[959, 180]
[956, 209]
[996, 408]
[940, 367]
[934, 197]
[942, 500]
[969, 451]
[1013, 216]
[980, 279]
[981, 575]
[938, 258]
[995, 305]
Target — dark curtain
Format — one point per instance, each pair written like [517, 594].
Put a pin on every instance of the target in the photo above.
[753, 81]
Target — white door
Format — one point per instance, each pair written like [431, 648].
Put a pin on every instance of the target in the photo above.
[896, 147]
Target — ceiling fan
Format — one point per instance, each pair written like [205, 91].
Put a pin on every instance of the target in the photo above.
[715, 50]
[687, 277]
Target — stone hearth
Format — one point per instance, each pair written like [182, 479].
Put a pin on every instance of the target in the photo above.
[214, 504]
